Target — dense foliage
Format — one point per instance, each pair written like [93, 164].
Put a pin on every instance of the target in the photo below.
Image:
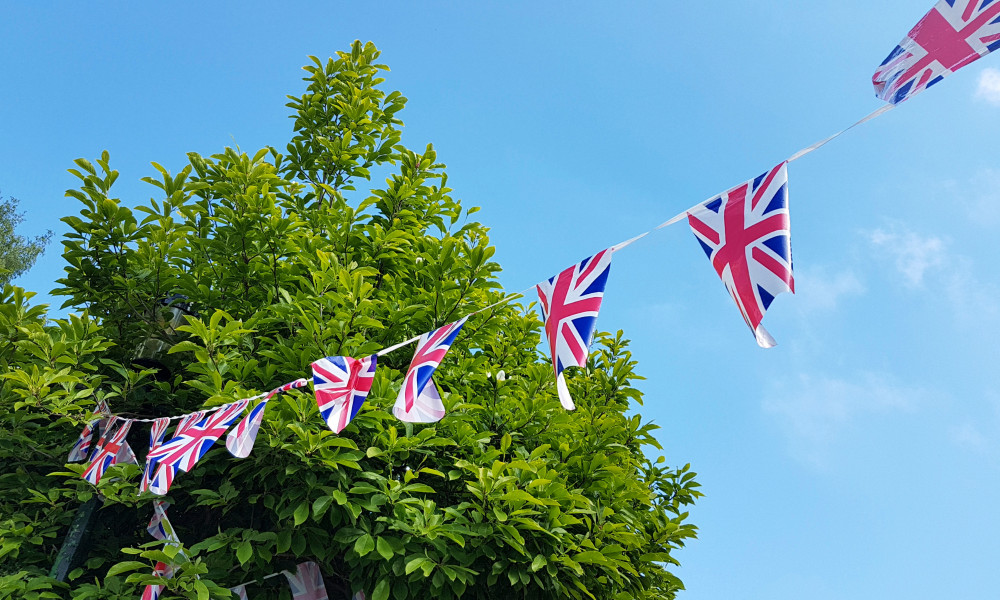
[17, 253]
[281, 261]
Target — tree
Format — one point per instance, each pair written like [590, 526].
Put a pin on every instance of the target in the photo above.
[280, 261]
[17, 253]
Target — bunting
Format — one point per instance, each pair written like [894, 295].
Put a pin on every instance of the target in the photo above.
[342, 385]
[81, 449]
[419, 400]
[107, 450]
[570, 303]
[745, 233]
[307, 582]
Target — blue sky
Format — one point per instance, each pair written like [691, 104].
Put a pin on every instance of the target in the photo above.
[859, 458]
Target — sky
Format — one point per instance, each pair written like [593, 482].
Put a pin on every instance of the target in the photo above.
[860, 457]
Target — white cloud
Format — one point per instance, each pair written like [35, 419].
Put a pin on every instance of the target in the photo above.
[818, 289]
[989, 86]
[815, 410]
[914, 255]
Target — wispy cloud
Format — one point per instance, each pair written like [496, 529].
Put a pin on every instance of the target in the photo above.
[914, 255]
[989, 86]
[820, 289]
[814, 410]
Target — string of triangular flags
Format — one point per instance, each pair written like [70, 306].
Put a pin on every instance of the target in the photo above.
[745, 233]
[305, 584]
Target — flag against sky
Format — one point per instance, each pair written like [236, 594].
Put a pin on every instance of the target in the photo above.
[194, 439]
[342, 385]
[419, 400]
[156, 433]
[745, 233]
[307, 582]
[108, 449]
[953, 34]
[570, 303]
[81, 449]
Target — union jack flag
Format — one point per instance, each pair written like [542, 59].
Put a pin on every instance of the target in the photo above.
[164, 475]
[307, 582]
[953, 34]
[160, 528]
[126, 456]
[81, 449]
[342, 385]
[191, 442]
[107, 450]
[152, 592]
[156, 433]
[239, 591]
[745, 233]
[570, 303]
[359, 596]
[419, 400]
[240, 440]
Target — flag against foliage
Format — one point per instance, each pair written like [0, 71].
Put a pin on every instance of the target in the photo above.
[194, 438]
[419, 400]
[159, 527]
[108, 449]
[953, 34]
[239, 592]
[570, 303]
[240, 440]
[746, 234]
[156, 433]
[342, 385]
[98, 421]
[307, 582]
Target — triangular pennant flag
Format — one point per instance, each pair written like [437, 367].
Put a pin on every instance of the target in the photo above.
[125, 455]
[419, 400]
[81, 449]
[952, 35]
[746, 234]
[156, 433]
[239, 591]
[107, 450]
[570, 303]
[307, 582]
[342, 385]
[194, 438]
[240, 440]
[159, 527]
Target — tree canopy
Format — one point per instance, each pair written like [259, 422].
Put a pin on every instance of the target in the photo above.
[17, 253]
[280, 260]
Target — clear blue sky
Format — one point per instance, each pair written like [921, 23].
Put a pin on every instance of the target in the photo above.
[858, 459]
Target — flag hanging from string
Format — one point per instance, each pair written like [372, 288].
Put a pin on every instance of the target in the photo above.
[342, 385]
[746, 234]
[108, 449]
[307, 582]
[192, 441]
[240, 592]
[419, 400]
[241, 439]
[570, 303]
[953, 34]
[99, 419]
[156, 433]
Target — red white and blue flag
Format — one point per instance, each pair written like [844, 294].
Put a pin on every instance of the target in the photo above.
[98, 421]
[108, 449]
[239, 591]
[746, 234]
[195, 438]
[953, 34]
[160, 528]
[164, 476]
[570, 303]
[419, 400]
[307, 582]
[156, 433]
[240, 440]
[342, 385]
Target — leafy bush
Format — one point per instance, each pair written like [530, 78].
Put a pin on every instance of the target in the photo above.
[280, 261]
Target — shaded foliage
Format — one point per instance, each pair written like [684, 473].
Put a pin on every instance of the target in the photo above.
[280, 261]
